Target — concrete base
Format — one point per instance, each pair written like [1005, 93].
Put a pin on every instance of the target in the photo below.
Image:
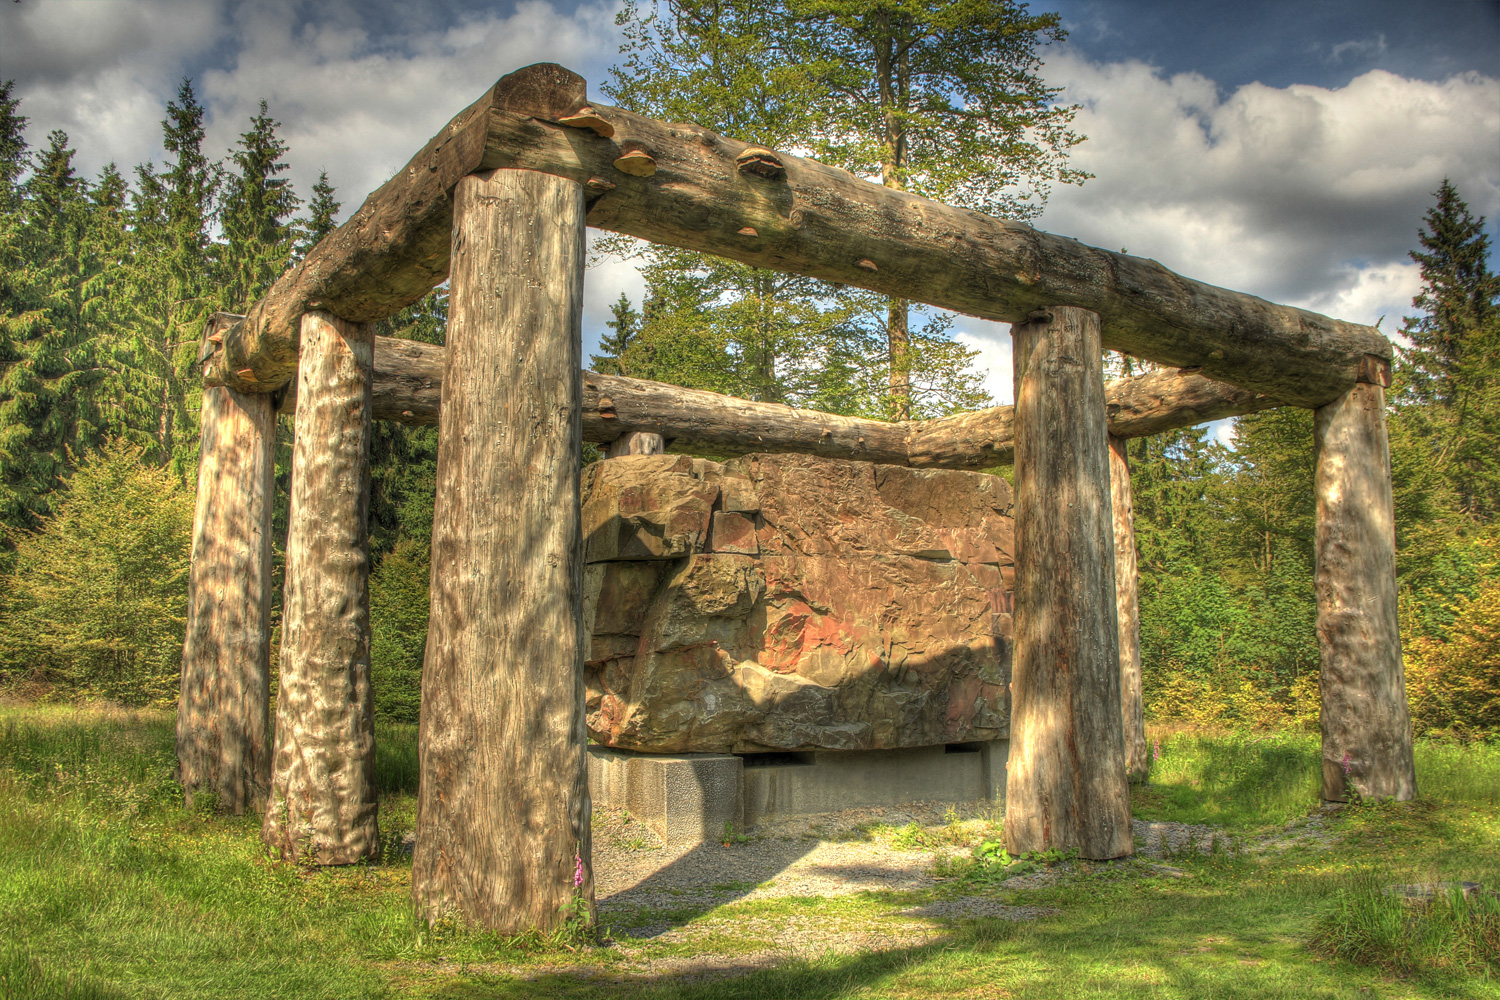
[689, 798]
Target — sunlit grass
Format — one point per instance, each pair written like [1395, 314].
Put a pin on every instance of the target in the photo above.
[111, 888]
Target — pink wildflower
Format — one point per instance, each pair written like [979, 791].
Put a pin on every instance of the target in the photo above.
[577, 871]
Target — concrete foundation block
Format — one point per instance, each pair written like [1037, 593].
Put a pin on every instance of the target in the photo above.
[682, 798]
[688, 798]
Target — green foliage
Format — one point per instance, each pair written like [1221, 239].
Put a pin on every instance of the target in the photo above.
[398, 630]
[97, 598]
[256, 214]
[939, 98]
[1453, 683]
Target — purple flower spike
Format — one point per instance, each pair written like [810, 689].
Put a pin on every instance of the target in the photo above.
[577, 871]
[1346, 763]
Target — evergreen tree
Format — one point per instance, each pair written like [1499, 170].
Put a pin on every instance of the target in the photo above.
[49, 365]
[1449, 389]
[171, 288]
[625, 323]
[321, 212]
[256, 214]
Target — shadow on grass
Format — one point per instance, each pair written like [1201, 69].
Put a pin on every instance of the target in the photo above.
[1175, 944]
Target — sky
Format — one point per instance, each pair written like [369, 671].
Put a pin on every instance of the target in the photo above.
[1286, 149]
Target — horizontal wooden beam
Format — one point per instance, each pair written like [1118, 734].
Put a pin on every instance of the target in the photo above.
[408, 383]
[391, 252]
[686, 186]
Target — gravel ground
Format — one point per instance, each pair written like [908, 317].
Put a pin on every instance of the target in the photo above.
[655, 896]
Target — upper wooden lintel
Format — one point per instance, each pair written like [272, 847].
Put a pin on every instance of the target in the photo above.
[805, 218]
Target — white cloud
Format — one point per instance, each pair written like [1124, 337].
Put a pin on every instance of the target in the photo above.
[1293, 193]
[992, 341]
[351, 99]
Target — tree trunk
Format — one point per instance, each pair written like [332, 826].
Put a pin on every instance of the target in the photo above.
[223, 711]
[898, 344]
[323, 802]
[1365, 722]
[1067, 786]
[636, 443]
[503, 811]
[1127, 611]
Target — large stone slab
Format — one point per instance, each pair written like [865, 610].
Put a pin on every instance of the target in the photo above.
[795, 603]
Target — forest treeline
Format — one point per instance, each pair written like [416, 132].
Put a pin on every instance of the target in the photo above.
[105, 283]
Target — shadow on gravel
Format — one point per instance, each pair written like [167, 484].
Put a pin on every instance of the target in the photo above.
[706, 877]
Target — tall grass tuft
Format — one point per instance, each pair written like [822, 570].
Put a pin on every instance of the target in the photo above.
[1371, 925]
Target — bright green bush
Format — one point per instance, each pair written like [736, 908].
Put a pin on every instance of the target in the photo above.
[96, 599]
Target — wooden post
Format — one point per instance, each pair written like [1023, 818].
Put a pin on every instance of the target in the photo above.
[636, 443]
[1066, 786]
[503, 811]
[322, 805]
[223, 706]
[1365, 722]
[1127, 611]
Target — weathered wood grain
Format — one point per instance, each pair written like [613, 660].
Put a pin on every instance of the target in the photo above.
[503, 811]
[1367, 739]
[223, 721]
[1066, 785]
[807, 219]
[824, 222]
[1127, 612]
[408, 386]
[322, 805]
[391, 252]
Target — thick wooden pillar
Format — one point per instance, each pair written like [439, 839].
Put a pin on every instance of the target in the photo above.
[322, 805]
[1127, 612]
[223, 744]
[1066, 786]
[1365, 722]
[503, 812]
[636, 443]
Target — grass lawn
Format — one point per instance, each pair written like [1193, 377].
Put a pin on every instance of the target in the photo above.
[109, 888]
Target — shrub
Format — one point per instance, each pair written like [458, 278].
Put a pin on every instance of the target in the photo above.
[96, 600]
[1454, 684]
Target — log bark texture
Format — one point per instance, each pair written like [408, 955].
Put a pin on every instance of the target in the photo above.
[503, 811]
[1127, 612]
[323, 804]
[408, 387]
[1066, 786]
[1367, 741]
[395, 249]
[223, 709]
[806, 219]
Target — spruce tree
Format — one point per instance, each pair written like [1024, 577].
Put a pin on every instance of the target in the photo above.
[624, 324]
[49, 362]
[321, 212]
[256, 214]
[1449, 380]
[171, 287]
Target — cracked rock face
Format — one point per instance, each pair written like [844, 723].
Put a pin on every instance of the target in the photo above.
[788, 602]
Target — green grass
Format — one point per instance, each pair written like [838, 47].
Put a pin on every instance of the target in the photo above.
[110, 888]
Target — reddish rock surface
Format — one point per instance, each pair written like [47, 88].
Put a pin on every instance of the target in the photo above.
[787, 602]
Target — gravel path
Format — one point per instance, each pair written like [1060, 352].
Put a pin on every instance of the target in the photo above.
[653, 896]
